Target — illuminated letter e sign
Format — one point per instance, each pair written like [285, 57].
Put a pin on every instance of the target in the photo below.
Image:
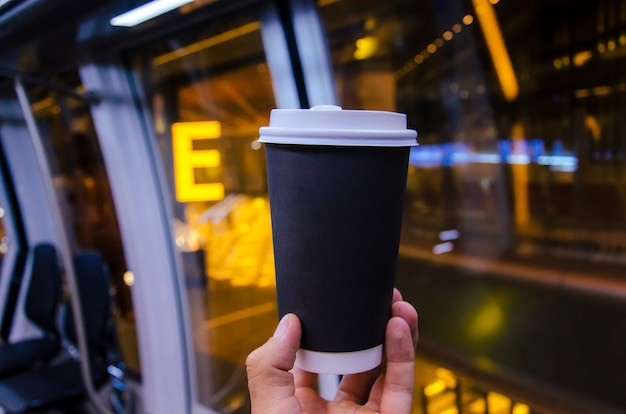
[197, 161]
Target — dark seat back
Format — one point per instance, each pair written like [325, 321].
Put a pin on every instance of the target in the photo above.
[44, 288]
[42, 299]
[92, 278]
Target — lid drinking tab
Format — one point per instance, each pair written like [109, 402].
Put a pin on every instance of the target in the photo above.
[326, 108]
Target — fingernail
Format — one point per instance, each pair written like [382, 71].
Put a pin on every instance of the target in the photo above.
[282, 326]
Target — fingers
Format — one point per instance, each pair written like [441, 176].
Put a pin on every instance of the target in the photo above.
[397, 392]
[269, 381]
[272, 385]
[356, 387]
[397, 296]
[304, 379]
[400, 311]
[407, 312]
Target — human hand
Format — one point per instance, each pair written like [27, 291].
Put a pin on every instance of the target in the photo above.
[276, 387]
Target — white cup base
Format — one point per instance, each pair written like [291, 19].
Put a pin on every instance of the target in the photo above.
[339, 363]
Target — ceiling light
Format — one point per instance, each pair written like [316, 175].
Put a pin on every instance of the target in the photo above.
[4, 2]
[146, 12]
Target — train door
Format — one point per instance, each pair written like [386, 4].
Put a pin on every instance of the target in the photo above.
[82, 191]
[55, 199]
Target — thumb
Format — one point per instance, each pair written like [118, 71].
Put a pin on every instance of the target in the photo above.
[270, 383]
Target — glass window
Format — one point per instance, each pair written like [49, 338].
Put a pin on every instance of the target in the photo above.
[210, 91]
[513, 241]
[83, 192]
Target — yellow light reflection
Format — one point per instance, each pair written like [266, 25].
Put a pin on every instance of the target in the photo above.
[188, 241]
[435, 388]
[259, 202]
[478, 406]
[581, 93]
[446, 376]
[521, 409]
[498, 403]
[581, 58]
[129, 278]
[611, 45]
[365, 48]
[243, 228]
[468, 19]
[592, 124]
[557, 63]
[601, 90]
[520, 178]
[485, 363]
[241, 251]
[487, 321]
[206, 43]
[187, 160]
[43, 104]
[497, 48]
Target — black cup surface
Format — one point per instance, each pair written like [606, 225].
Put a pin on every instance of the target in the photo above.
[336, 218]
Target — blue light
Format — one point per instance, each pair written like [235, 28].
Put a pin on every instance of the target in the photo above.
[566, 163]
[518, 159]
[522, 153]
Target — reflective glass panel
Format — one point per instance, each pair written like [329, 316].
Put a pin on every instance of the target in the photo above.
[82, 189]
[209, 89]
[514, 230]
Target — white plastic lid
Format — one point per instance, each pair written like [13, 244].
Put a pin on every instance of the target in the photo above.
[330, 125]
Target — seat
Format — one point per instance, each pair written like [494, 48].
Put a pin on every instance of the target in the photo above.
[42, 299]
[57, 383]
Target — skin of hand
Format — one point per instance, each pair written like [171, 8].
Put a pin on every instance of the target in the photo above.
[276, 387]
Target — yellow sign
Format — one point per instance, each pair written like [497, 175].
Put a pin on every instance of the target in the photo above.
[197, 161]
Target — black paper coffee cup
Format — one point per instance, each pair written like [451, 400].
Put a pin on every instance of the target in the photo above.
[336, 185]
